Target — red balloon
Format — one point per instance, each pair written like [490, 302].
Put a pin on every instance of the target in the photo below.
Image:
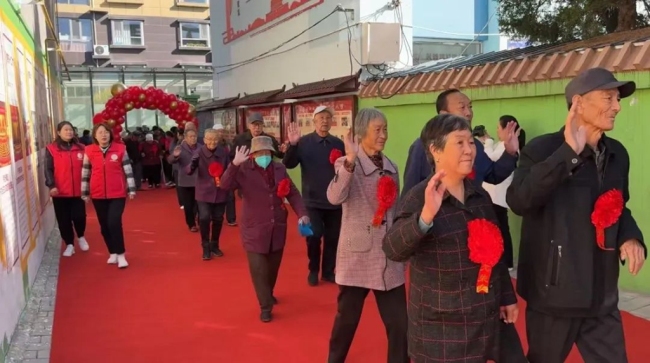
[120, 121]
[98, 119]
[117, 129]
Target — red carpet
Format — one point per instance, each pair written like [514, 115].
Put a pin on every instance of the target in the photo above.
[169, 306]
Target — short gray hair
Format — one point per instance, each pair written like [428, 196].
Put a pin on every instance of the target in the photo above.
[363, 119]
[435, 131]
[210, 131]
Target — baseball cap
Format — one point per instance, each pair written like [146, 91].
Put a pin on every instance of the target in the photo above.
[595, 79]
[217, 127]
[323, 108]
[255, 117]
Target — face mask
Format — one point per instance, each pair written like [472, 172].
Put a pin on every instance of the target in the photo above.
[263, 161]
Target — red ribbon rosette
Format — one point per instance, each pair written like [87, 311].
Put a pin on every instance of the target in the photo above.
[215, 170]
[334, 155]
[485, 245]
[284, 187]
[607, 210]
[472, 175]
[386, 196]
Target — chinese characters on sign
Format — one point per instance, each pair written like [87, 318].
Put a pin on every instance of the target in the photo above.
[342, 120]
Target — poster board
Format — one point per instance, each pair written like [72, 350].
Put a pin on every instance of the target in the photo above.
[343, 114]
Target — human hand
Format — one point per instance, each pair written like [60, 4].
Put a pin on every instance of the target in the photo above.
[351, 147]
[632, 251]
[574, 135]
[54, 192]
[85, 199]
[511, 141]
[241, 155]
[293, 133]
[177, 151]
[131, 196]
[509, 314]
[284, 147]
[433, 195]
[304, 220]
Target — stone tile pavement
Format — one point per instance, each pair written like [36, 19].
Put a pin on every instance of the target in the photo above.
[33, 337]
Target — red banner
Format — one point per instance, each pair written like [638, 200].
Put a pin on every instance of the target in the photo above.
[271, 116]
[342, 119]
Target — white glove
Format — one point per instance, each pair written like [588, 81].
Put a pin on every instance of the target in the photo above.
[241, 155]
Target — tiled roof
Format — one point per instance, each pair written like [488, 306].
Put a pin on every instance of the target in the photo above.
[257, 98]
[618, 52]
[215, 103]
[324, 87]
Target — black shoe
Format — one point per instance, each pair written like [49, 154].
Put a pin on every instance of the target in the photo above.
[275, 300]
[312, 279]
[215, 250]
[329, 278]
[207, 255]
[266, 316]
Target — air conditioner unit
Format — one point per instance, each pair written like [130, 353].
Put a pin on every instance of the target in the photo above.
[380, 43]
[101, 51]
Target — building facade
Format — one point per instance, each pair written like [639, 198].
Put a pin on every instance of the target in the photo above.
[444, 29]
[161, 43]
[264, 45]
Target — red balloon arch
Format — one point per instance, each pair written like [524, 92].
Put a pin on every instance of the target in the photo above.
[126, 99]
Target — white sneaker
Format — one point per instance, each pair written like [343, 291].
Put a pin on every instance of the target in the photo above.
[112, 260]
[121, 261]
[83, 244]
[69, 251]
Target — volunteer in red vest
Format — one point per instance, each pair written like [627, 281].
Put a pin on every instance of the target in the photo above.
[63, 161]
[106, 178]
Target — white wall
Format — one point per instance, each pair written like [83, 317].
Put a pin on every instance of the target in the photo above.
[320, 53]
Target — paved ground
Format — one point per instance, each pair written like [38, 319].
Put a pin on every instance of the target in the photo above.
[31, 341]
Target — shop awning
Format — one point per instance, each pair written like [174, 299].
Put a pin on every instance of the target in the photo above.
[259, 98]
[322, 88]
[216, 103]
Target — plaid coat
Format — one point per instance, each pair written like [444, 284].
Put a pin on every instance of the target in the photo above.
[448, 320]
[360, 260]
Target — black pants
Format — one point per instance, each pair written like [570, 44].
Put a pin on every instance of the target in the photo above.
[264, 268]
[178, 195]
[326, 224]
[502, 217]
[186, 196]
[71, 216]
[211, 221]
[137, 174]
[152, 174]
[392, 309]
[599, 340]
[231, 211]
[109, 214]
[510, 349]
[167, 170]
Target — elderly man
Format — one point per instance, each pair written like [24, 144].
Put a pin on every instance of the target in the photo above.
[211, 199]
[454, 102]
[255, 122]
[316, 153]
[231, 211]
[571, 188]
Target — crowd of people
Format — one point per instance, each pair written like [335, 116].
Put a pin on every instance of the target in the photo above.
[448, 226]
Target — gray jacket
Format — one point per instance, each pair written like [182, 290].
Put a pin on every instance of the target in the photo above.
[182, 161]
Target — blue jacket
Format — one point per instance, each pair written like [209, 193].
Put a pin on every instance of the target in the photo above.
[418, 167]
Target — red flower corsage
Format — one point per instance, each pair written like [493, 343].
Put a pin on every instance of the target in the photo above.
[334, 155]
[386, 196]
[215, 170]
[485, 245]
[472, 175]
[284, 187]
[607, 210]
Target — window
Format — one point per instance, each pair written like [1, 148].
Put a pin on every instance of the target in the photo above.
[127, 32]
[194, 35]
[74, 2]
[76, 35]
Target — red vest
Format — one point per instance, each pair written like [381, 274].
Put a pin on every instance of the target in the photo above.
[107, 178]
[67, 169]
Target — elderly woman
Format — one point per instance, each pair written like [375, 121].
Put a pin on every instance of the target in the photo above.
[209, 162]
[446, 226]
[264, 185]
[181, 158]
[107, 177]
[366, 184]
